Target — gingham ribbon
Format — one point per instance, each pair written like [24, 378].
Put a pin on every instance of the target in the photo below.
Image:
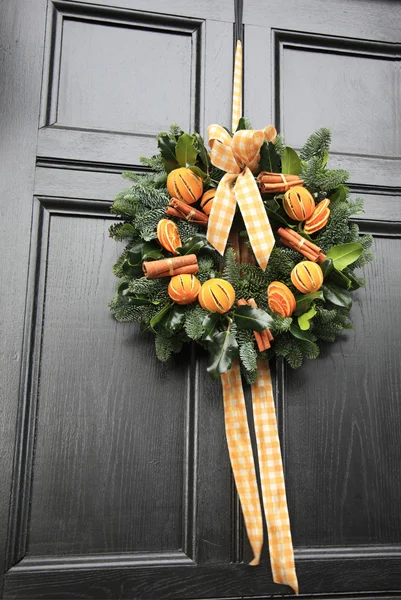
[270, 466]
[239, 156]
[237, 87]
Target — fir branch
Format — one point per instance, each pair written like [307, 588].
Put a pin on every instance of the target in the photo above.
[316, 144]
[194, 318]
[165, 346]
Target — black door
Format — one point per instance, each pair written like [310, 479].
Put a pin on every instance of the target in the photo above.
[115, 480]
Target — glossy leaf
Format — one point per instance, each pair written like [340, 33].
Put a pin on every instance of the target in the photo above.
[185, 150]
[305, 319]
[248, 317]
[304, 303]
[327, 266]
[339, 194]
[194, 244]
[299, 334]
[199, 172]
[160, 315]
[175, 319]
[290, 162]
[209, 326]
[241, 124]
[337, 296]
[339, 279]
[344, 254]
[167, 150]
[269, 158]
[203, 153]
[222, 351]
[140, 301]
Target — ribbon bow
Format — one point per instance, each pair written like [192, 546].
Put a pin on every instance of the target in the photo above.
[239, 156]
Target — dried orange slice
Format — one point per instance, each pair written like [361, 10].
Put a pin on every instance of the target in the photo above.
[168, 235]
[280, 298]
[319, 218]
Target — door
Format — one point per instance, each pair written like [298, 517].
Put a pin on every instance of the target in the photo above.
[115, 479]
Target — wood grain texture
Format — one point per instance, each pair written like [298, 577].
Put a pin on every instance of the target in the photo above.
[111, 438]
[364, 19]
[21, 48]
[342, 421]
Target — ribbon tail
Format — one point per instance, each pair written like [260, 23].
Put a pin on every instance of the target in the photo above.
[272, 480]
[222, 213]
[255, 218]
[241, 457]
[237, 87]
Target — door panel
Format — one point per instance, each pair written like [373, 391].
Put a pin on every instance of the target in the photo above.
[340, 413]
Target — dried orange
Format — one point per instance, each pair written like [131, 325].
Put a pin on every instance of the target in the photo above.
[207, 201]
[216, 295]
[307, 276]
[298, 203]
[185, 185]
[183, 289]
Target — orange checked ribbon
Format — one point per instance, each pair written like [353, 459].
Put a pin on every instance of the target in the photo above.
[239, 156]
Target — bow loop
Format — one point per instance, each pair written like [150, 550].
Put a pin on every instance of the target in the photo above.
[239, 156]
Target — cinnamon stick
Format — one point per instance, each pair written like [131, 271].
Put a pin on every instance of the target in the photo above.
[167, 267]
[290, 235]
[262, 338]
[266, 335]
[277, 182]
[304, 251]
[180, 209]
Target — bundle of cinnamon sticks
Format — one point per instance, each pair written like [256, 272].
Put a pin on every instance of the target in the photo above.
[180, 209]
[292, 239]
[167, 267]
[262, 338]
[271, 183]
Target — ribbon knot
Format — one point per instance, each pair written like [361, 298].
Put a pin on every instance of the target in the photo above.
[239, 156]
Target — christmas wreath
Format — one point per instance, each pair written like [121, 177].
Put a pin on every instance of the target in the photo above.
[176, 284]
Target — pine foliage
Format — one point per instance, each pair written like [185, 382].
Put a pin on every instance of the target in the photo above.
[143, 205]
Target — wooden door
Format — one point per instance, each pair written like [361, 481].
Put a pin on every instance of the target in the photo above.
[115, 480]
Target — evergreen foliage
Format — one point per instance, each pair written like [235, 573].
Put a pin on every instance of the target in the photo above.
[143, 204]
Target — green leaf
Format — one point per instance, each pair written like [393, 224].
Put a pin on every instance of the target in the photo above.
[355, 284]
[167, 150]
[248, 317]
[305, 319]
[325, 158]
[306, 300]
[199, 172]
[340, 279]
[194, 244]
[344, 254]
[185, 150]
[269, 158]
[241, 124]
[327, 266]
[339, 194]
[337, 296]
[160, 315]
[175, 319]
[209, 325]
[203, 153]
[137, 254]
[299, 334]
[290, 162]
[222, 350]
